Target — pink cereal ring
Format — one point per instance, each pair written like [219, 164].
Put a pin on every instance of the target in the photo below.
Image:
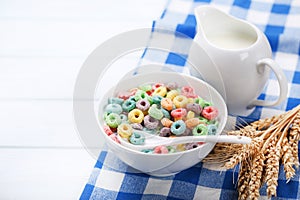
[124, 95]
[161, 150]
[115, 138]
[209, 112]
[187, 89]
[188, 92]
[178, 113]
[107, 130]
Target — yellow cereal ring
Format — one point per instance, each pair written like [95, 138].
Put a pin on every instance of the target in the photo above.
[166, 122]
[191, 123]
[190, 115]
[136, 116]
[125, 130]
[167, 104]
[180, 101]
[180, 147]
[161, 91]
[172, 94]
[191, 100]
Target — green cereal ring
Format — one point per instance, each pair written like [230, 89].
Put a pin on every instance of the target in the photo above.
[156, 99]
[200, 101]
[171, 149]
[105, 115]
[150, 99]
[155, 112]
[200, 129]
[203, 120]
[113, 108]
[137, 138]
[140, 94]
[128, 105]
[212, 129]
[145, 87]
[116, 100]
[113, 120]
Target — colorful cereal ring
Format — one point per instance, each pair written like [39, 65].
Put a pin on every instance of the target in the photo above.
[209, 112]
[180, 101]
[178, 127]
[113, 120]
[125, 130]
[136, 116]
[200, 129]
[137, 139]
[150, 122]
[128, 105]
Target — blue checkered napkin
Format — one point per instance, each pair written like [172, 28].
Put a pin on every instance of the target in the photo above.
[280, 21]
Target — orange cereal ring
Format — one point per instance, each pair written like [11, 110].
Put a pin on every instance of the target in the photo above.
[167, 104]
[166, 122]
[191, 123]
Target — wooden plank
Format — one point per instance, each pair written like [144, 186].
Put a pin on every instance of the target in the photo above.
[44, 173]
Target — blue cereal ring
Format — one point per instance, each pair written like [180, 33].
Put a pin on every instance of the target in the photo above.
[150, 122]
[113, 108]
[137, 139]
[178, 127]
[212, 129]
[115, 100]
[156, 99]
[123, 117]
[200, 129]
[113, 120]
[128, 105]
[165, 113]
[150, 151]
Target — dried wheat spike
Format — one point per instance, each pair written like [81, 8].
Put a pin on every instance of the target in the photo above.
[256, 175]
[265, 123]
[272, 168]
[294, 136]
[287, 159]
[243, 179]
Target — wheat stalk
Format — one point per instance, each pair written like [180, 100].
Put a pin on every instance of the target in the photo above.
[274, 142]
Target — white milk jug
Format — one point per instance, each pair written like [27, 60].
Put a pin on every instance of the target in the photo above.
[242, 55]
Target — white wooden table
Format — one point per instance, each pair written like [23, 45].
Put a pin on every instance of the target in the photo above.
[43, 44]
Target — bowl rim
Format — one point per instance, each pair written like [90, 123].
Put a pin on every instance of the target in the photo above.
[211, 88]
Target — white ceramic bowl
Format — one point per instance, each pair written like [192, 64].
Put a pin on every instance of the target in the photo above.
[163, 164]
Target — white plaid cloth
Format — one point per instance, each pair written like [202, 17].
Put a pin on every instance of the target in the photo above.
[280, 21]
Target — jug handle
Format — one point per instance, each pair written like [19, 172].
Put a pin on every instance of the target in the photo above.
[283, 84]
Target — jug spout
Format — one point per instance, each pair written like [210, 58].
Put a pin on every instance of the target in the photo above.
[222, 30]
